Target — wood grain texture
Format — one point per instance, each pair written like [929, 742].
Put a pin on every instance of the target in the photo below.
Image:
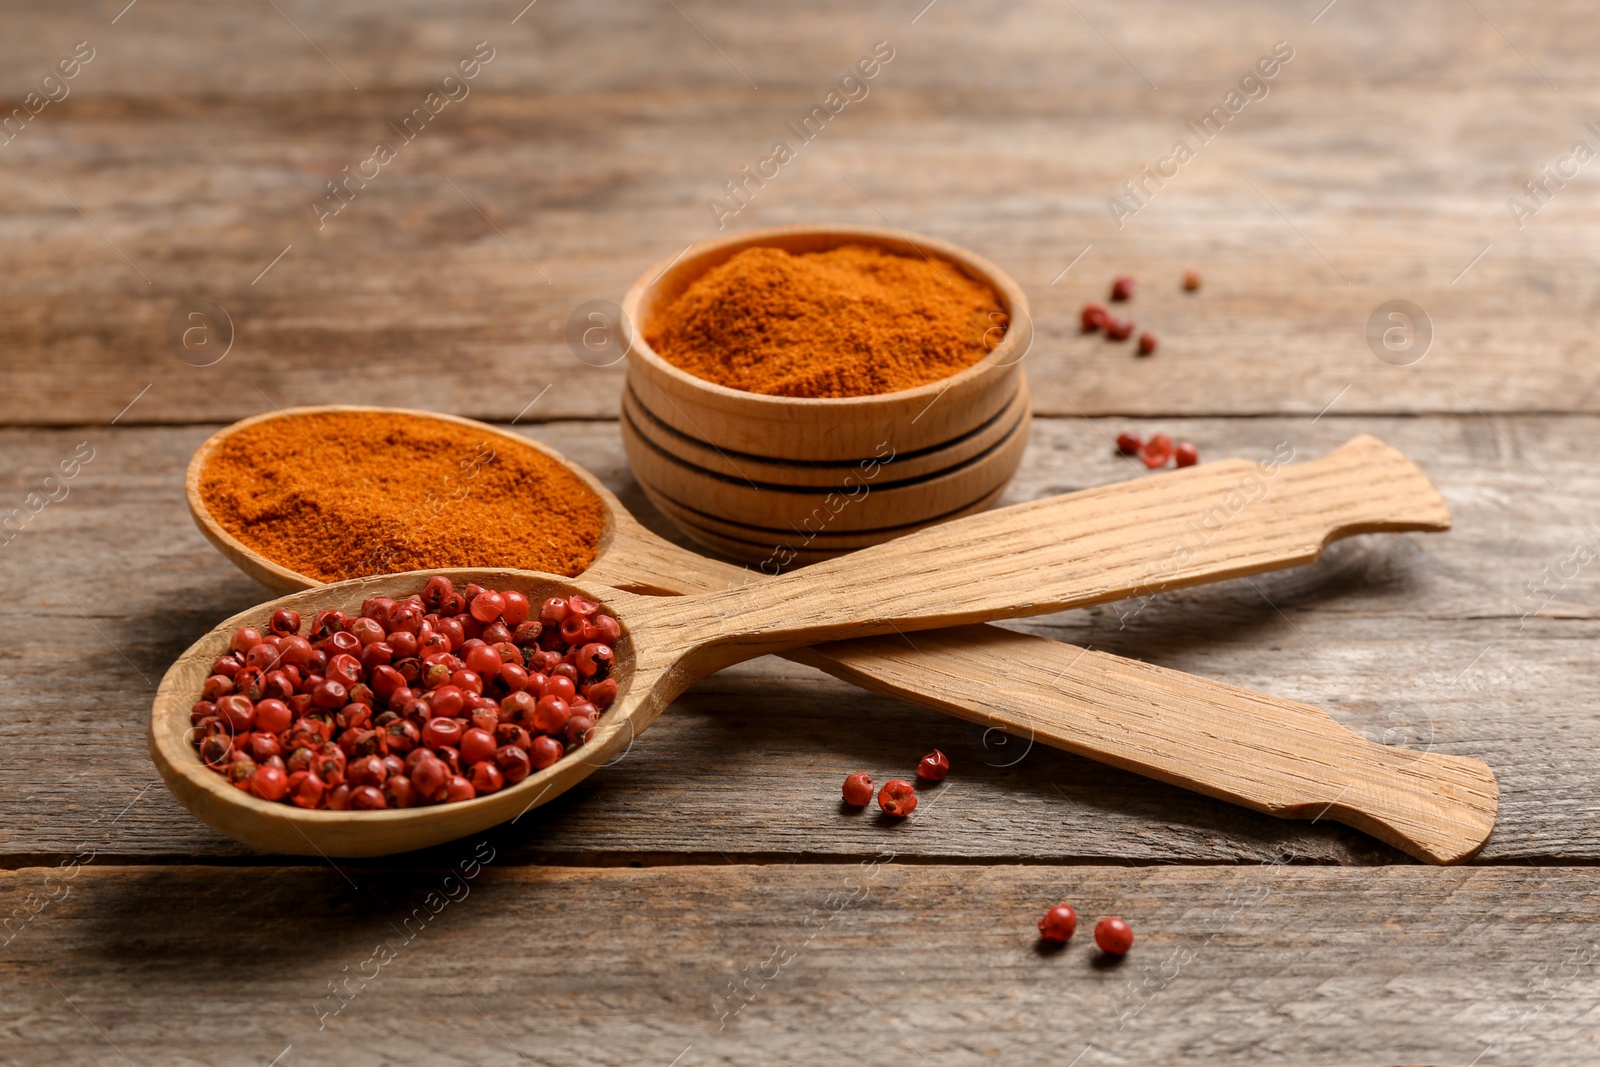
[199, 137]
[1406, 640]
[882, 962]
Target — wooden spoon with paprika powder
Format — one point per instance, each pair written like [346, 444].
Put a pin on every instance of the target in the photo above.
[1277, 756]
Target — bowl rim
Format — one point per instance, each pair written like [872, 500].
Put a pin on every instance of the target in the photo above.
[1019, 332]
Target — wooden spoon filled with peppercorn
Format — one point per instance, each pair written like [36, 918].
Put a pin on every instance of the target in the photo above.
[1244, 747]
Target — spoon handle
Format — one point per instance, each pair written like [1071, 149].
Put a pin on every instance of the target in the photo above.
[1263, 752]
[1275, 756]
[1207, 523]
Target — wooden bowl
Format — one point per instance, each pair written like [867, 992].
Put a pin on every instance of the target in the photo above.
[780, 480]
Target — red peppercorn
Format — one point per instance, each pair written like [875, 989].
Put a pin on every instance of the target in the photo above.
[897, 797]
[581, 605]
[1191, 280]
[513, 763]
[1129, 444]
[243, 640]
[934, 766]
[1157, 451]
[487, 606]
[398, 792]
[272, 716]
[1113, 936]
[516, 608]
[578, 728]
[858, 790]
[1058, 924]
[441, 732]
[438, 588]
[306, 789]
[487, 778]
[477, 745]
[550, 715]
[601, 694]
[1186, 454]
[544, 751]
[1147, 343]
[366, 770]
[430, 775]
[1122, 288]
[459, 789]
[1093, 317]
[330, 694]
[216, 687]
[269, 783]
[284, 621]
[367, 798]
[1119, 329]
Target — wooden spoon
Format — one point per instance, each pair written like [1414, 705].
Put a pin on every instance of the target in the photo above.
[1275, 756]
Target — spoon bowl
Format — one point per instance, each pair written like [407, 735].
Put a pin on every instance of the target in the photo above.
[284, 828]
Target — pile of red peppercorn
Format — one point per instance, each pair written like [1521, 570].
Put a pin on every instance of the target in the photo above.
[440, 697]
[898, 797]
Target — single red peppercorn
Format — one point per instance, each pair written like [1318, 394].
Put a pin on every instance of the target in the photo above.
[1119, 329]
[477, 745]
[858, 790]
[1058, 924]
[1186, 454]
[544, 751]
[1093, 318]
[550, 715]
[1157, 452]
[458, 789]
[438, 588]
[306, 789]
[487, 606]
[272, 716]
[398, 792]
[269, 783]
[1113, 936]
[243, 640]
[367, 798]
[513, 763]
[1122, 288]
[516, 608]
[578, 728]
[487, 778]
[934, 766]
[284, 621]
[897, 798]
[1147, 343]
[1129, 444]
[441, 732]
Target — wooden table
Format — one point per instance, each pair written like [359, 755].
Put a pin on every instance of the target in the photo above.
[706, 900]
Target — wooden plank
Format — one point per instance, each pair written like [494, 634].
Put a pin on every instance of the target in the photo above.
[594, 140]
[879, 961]
[1411, 640]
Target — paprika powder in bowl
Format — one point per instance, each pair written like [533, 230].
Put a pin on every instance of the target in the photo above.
[798, 392]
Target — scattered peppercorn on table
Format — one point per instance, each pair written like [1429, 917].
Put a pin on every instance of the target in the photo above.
[712, 896]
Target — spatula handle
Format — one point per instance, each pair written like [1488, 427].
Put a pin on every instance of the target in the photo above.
[1206, 523]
